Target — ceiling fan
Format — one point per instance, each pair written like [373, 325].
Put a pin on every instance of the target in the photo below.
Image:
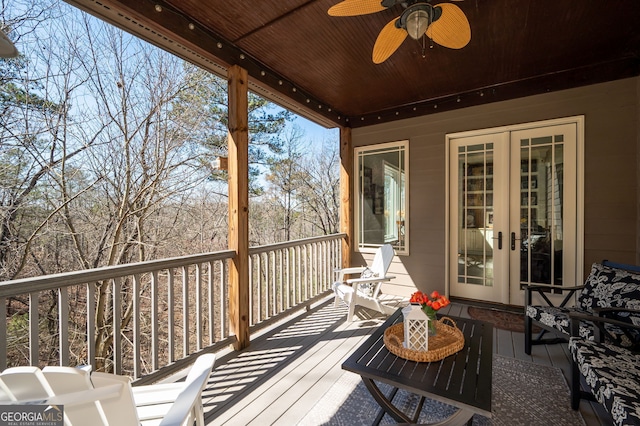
[444, 23]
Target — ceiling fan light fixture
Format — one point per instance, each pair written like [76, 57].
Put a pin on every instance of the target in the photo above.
[417, 23]
[416, 19]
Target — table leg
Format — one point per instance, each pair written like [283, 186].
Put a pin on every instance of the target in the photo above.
[386, 403]
[461, 417]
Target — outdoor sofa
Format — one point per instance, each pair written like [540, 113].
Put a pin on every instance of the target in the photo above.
[611, 289]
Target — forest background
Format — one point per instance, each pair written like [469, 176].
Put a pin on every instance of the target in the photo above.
[106, 146]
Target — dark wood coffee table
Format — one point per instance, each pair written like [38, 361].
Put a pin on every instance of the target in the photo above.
[462, 379]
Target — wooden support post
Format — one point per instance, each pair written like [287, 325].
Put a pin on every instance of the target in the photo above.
[346, 198]
[239, 204]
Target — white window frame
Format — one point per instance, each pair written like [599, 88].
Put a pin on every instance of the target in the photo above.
[359, 154]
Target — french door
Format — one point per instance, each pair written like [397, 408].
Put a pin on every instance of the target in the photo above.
[513, 211]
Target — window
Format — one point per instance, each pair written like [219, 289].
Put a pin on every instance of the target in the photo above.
[382, 196]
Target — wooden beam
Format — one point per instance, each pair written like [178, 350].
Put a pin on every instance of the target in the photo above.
[346, 198]
[238, 140]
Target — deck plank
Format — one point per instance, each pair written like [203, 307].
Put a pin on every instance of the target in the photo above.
[287, 370]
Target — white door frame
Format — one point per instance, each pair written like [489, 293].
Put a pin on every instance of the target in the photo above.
[579, 226]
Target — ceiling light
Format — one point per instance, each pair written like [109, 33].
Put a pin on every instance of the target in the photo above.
[417, 24]
[416, 19]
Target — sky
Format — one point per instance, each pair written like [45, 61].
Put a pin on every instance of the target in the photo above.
[316, 133]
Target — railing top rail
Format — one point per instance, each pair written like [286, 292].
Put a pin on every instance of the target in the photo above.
[65, 279]
[287, 244]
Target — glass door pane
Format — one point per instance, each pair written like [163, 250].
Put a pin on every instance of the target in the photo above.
[475, 214]
[541, 213]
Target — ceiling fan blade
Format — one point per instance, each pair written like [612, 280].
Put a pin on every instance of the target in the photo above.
[452, 30]
[388, 41]
[355, 7]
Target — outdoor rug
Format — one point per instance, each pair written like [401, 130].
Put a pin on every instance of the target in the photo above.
[523, 394]
[511, 321]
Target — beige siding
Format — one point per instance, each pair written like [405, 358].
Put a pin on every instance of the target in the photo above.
[611, 201]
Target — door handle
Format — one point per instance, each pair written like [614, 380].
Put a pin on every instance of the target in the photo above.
[499, 238]
[513, 240]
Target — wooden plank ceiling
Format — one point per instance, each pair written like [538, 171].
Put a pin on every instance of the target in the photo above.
[321, 65]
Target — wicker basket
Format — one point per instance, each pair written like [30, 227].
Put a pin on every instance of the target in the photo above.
[447, 341]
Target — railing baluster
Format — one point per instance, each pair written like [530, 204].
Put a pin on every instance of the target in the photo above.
[91, 323]
[281, 283]
[154, 321]
[252, 279]
[305, 259]
[224, 318]
[34, 326]
[264, 279]
[300, 284]
[198, 307]
[171, 306]
[321, 275]
[212, 322]
[325, 262]
[185, 311]
[117, 323]
[316, 265]
[63, 325]
[135, 300]
[258, 300]
[287, 275]
[274, 285]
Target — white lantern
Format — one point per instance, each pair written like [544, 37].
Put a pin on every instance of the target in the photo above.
[416, 328]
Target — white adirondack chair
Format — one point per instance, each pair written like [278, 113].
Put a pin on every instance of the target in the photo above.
[108, 399]
[365, 290]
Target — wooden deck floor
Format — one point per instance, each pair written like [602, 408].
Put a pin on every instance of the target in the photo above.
[288, 369]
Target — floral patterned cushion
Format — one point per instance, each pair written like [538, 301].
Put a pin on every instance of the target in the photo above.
[558, 319]
[553, 317]
[613, 375]
[608, 287]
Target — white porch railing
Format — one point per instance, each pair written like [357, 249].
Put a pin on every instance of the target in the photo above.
[181, 307]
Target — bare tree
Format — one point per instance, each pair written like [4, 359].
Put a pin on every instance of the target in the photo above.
[35, 141]
[320, 189]
[283, 178]
[105, 149]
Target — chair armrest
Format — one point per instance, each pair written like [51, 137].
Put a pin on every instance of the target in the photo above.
[156, 394]
[599, 323]
[602, 312]
[529, 289]
[191, 395]
[348, 271]
[540, 287]
[351, 270]
[370, 280]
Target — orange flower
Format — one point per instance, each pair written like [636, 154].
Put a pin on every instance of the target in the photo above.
[432, 302]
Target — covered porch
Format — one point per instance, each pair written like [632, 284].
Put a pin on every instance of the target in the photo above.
[289, 344]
